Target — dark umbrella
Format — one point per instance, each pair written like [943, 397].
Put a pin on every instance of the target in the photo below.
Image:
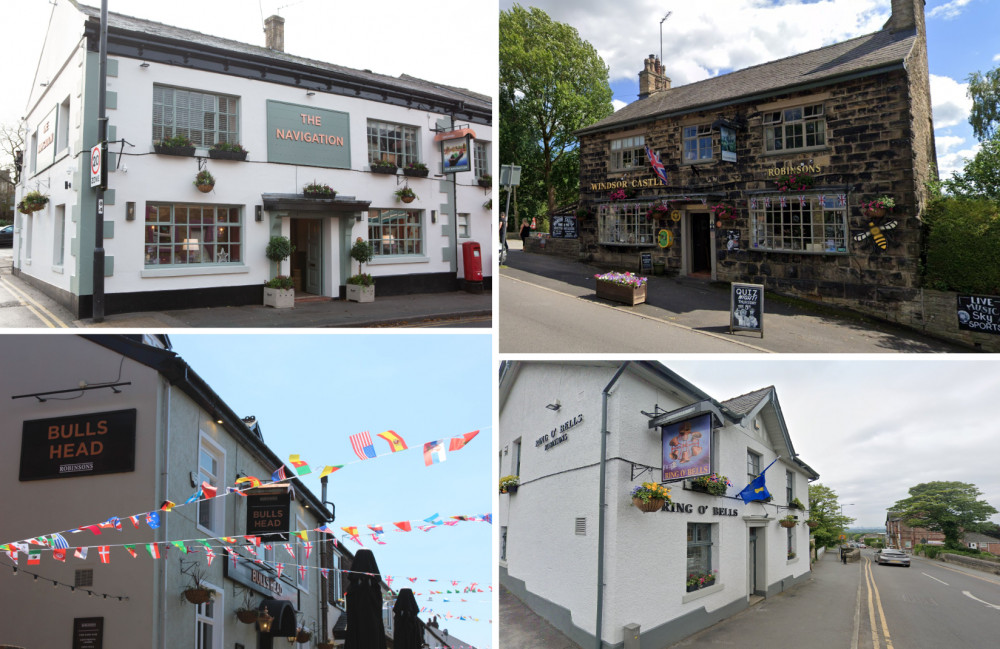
[408, 629]
[365, 629]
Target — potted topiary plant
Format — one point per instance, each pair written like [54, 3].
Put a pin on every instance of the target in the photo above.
[204, 181]
[279, 292]
[406, 195]
[176, 145]
[361, 287]
[227, 151]
[383, 167]
[418, 169]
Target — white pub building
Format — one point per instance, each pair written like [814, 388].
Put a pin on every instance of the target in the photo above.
[577, 550]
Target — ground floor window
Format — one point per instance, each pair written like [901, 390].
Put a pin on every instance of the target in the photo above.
[799, 223]
[791, 542]
[207, 636]
[699, 548]
[396, 232]
[625, 223]
[503, 543]
[181, 235]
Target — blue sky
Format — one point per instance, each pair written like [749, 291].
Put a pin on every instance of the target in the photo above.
[713, 37]
[310, 392]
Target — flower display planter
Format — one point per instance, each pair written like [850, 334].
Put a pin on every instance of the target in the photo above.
[630, 295]
[358, 293]
[248, 616]
[407, 199]
[319, 195]
[812, 524]
[279, 298]
[227, 155]
[692, 588]
[419, 173]
[787, 523]
[485, 182]
[173, 150]
[654, 504]
[512, 489]
[376, 169]
[204, 189]
[198, 595]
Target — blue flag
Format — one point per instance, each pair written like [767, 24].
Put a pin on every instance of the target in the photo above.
[757, 489]
[153, 519]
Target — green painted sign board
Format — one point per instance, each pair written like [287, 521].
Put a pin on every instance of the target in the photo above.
[305, 135]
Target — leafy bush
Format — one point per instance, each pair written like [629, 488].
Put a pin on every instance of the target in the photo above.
[283, 282]
[963, 246]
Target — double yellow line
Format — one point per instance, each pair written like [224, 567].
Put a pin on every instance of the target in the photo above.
[47, 317]
[875, 601]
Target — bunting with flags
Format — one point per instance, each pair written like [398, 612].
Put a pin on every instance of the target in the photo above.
[434, 452]
[363, 446]
[301, 468]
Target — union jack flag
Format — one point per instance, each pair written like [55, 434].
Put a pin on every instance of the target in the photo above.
[842, 199]
[658, 168]
[802, 201]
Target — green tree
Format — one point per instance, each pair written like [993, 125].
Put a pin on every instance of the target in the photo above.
[552, 83]
[984, 90]
[824, 508]
[981, 176]
[947, 507]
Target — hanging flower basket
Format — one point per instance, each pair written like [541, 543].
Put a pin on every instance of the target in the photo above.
[650, 496]
[247, 616]
[406, 195]
[204, 181]
[33, 201]
[653, 505]
[788, 521]
[878, 207]
[198, 595]
[812, 524]
[304, 635]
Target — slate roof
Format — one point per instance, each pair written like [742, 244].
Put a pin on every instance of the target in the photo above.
[745, 403]
[864, 54]
[196, 39]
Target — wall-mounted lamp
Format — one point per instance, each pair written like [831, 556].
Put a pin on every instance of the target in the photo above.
[264, 620]
[258, 213]
[554, 406]
[143, 65]
[68, 185]
[130, 211]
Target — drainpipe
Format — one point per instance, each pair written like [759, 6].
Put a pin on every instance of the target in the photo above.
[601, 502]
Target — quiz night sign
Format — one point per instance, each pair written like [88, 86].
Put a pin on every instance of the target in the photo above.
[78, 445]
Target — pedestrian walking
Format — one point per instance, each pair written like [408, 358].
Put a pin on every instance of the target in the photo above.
[843, 554]
[503, 237]
[525, 229]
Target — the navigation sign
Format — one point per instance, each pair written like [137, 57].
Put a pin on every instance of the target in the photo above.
[746, 308]
[95, 166]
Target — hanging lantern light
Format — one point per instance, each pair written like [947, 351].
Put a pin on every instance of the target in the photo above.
[264, 620]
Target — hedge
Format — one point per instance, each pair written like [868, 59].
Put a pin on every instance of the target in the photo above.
[962, 245]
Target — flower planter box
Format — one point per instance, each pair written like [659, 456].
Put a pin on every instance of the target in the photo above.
[485, 183]
[383, 170]
[654, 504]
[692, 588]
[512, 489]
[358, 293]
[227, 155]
[629, 295]
[319, 195]
[173, 150]
[279, 298]
[419, 173]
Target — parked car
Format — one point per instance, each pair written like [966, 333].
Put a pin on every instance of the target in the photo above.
[892, 557]
[7, 236]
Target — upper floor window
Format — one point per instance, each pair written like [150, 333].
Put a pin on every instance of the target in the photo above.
[789, 486]
[393, 142]
[753, 464]
[202, 117]
[795, 128]
[211, 465]
[697, 143]
[627, 153]
[481, 158]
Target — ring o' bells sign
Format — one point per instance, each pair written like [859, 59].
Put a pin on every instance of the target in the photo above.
[456, 150]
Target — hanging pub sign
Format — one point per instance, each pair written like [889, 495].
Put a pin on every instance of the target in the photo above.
[268, 514]
[728, 138]
[979, 313]
[746, 308]
[456, 147]
[687, 448]
[78, 445]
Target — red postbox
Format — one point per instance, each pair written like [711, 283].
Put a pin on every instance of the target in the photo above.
[472, 261]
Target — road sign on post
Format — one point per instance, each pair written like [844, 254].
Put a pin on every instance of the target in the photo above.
[510, 175]
[95, 165]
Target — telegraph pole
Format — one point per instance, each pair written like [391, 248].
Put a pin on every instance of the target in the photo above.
[102, 139]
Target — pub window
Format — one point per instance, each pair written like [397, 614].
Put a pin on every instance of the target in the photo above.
[799, 223]
[789, 486]
[59, 236]
[188, 235]
[503, 543]
[699, 548]
[62, 127]
[202, 117]
[625, 224]
[753, 464]
[336, 579]
[791, 541]
[627, 153]
[396, 233]
[516, 459]
[795, 128]
[211, 468]
[697, 143]
[463, 225]
[207, 636]
[392, 142]
[481, 158]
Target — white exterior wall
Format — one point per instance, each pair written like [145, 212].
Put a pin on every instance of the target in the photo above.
[645, 553]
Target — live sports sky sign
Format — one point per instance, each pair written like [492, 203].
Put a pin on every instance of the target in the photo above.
[78, 445]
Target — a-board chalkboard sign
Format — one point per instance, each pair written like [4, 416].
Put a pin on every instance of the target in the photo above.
[746, 308]
[564, 227]
[979, 313]
[645, 262]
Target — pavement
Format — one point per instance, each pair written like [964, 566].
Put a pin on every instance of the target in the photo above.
[698, 304]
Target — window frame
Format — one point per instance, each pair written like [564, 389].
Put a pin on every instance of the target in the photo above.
[701, 137]
[626, 219]
[811, 226]
[790, 533]
[215, 620]
[795, 122]
[378, 142]
[379, 243]
[216, 506]
[627, 153]
[753, 463]
[300, 553]
[696, 541]
[789, 486]
[156, 250]
[481, 158]
[199, 136]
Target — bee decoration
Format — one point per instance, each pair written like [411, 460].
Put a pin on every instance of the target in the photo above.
[876, 235]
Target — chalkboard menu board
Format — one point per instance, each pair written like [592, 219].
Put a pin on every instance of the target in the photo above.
[88, 632]
[645, 262]
[564, 227]
[979, 313]
[746, 308]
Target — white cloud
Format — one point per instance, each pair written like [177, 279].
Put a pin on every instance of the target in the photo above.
[950, 101]
[949, 10]
[996, 57]
[951, 162]
[618, 104]
[945, 143]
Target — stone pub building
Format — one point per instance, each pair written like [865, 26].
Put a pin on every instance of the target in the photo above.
[767, 171]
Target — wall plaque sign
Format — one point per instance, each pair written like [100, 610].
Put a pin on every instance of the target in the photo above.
[78, 445]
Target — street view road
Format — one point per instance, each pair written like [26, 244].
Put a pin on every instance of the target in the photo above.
[548, 305]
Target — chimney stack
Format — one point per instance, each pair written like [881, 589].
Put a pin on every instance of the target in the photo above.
[906, 15]
[651, 79]
[274, 33]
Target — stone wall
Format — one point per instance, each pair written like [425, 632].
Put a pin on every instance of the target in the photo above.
[972, 562]
[565, 248]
